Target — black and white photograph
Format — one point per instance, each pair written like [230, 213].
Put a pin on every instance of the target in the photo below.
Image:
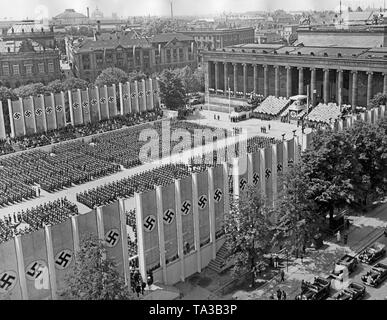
[196, 153]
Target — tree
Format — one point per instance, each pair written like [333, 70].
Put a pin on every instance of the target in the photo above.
[111, 76]
[28, 90]
[5, 94]
[248, 232]
[55, 86]
[359, 9]
[74, 83]
[136, 76]
[378, 100]
[93, 276]
[172, 92]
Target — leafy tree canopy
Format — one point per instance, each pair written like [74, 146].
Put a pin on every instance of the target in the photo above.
[111, 76]
[172, 91]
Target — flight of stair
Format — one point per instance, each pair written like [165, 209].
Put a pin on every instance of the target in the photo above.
[220, 263]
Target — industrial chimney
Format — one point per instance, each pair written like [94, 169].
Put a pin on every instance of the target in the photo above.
[171, 10]
[88, 13]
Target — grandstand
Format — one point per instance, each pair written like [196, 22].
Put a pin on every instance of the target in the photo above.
[325, 113]
[271, 107]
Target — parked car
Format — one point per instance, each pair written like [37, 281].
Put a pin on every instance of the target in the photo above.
[355, 291]
[376, 275]
[318, 290]
[373, 253]
[349, 261]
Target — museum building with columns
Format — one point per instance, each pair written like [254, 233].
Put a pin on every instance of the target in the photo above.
[339, 74]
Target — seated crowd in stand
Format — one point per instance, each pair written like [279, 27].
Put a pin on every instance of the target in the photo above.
[34, 219]
[70, 132]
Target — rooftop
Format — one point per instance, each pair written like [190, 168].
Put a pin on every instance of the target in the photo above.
[70, 14]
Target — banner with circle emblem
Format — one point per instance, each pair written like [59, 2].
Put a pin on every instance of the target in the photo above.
[156, 96]
[103, 102]
[85, 103]
[256, 170]
[169, 220]
[243, 173]
[63, 249]
[94, 105]
[112, 101]
[204, 218]
[76, 107]
[40, 113]
[112, 234]
[280, 165]
[150, 228]
[219, 192]
[126, 99]
[186, 210]
[17, 116]
[148, 93]
[29, 116]
[35, 263]
[60, 110]
[268, 174]
[133, 97]
[291, 152]
[9, 274]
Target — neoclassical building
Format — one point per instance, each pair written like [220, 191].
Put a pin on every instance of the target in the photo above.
[345, 75]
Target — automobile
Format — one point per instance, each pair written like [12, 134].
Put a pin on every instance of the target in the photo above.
[373, 253]
[318, 290]
[348, 261]
[194, 101]
[376, 275]
[355, 291]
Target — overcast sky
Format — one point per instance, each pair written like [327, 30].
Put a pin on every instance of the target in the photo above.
[20, 9]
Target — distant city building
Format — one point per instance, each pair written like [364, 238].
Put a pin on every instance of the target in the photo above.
[89, 57]
[97, 14]
[70, 17]
[267, 36]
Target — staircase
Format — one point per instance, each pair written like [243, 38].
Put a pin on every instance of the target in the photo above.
[220, 263]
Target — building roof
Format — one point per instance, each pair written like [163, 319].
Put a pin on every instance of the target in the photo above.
[167, 37]
[70, 14]
[27, 26]
[26, 45]
[90, 44]
[363, 16]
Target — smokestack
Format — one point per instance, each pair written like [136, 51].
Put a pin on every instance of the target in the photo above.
[171, 11]
[88, 13]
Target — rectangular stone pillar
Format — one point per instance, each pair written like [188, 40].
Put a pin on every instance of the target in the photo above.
[255, 76]
[244, 80]
[235, 78]
[326, 86]
[340, 87]
[288, 81]
[369, 87]
[265, 80]
[385, 83]
[313, 86]
[276, 81]
[226, 81]
[354, 90]
[216, 77]
[300, 80]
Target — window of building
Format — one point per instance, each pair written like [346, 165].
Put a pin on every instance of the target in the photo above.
[28, 69]
[51, 67]
[85, 61]
[41, 67]
[16, 69]
[5, 69]
[99, 59]
[181, 55]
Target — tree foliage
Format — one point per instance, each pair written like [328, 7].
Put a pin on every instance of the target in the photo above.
[93, 276]
[248, 231]
[136, 76]
[378, 100]
[28, 90]
[157, 26]
[172, 91]
[111, 76]
[57, 86]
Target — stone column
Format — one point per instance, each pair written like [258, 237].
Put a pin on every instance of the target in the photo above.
[326, 85]
[369, 87]
[226, 84]
[216, 77]
[244, 80]
[288, 81]
[300, 80]
[340, 87]
[354, 90]
[265, 81]
[385, 83]
[313, 85]
[235, 78]
[255, 76]
[276, 81]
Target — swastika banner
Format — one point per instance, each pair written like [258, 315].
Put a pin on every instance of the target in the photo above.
[29, 116]
[126, 99]
[243, 174]
[268, 175]
[156, 97]
[35, 263]
[40, 114]
[169, 220]
[280, 165]
[103, 102]
[87, 224]
[150, 228]
[85, 103]
[150, 94]
[17, 117]
[291, 152]
[112, 233]
[76, 107]
[204, 219]
[186, 209]
[219, 192]
[256, 170]
[9, 274]
[60, 109]
[112, 101]
[141, 95]
[134, 97]
[94, 105]
[63, 247]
